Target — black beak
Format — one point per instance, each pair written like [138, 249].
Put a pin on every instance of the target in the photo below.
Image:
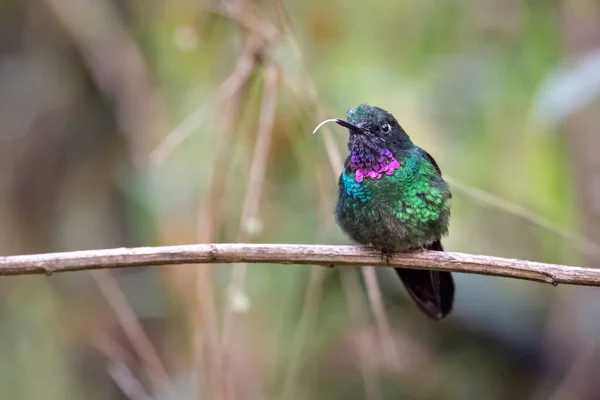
[353, 128]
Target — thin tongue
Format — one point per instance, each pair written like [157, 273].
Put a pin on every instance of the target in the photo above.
[323, 123]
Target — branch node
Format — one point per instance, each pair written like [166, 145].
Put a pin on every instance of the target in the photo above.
[212, 253]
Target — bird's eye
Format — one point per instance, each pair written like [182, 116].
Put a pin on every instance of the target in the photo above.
[385, 128]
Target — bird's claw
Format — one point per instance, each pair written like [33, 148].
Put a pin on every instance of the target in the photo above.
[386, 255]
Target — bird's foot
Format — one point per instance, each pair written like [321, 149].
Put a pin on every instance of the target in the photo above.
[386, 255]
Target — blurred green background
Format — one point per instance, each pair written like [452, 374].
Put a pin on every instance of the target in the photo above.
[126, 123]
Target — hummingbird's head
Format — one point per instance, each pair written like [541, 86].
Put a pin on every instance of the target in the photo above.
[374, 129]
[376, 142]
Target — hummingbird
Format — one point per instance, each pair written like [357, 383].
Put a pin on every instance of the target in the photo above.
[392, 197]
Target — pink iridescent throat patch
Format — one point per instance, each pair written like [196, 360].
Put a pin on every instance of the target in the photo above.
[367, 166]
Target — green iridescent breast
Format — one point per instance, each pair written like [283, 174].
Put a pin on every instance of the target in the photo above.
[415, 192]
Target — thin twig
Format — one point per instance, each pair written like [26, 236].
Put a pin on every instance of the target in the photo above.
[296, 254]
[310, 307]
[122, 375]
[257, 176]
[246, 15]
[378, 309]
[125, 380]
[576, 240]
[133, 330]
[364, 343]
[311, 300]
[261, 150]
[251, 203]
[211, 209]
[228, 88]
[116, 63]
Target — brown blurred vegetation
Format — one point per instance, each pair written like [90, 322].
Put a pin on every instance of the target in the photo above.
[129, 123]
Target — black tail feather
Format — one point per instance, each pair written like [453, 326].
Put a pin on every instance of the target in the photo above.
[433, 291]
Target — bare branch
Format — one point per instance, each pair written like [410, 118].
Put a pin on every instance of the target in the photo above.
[296, 254]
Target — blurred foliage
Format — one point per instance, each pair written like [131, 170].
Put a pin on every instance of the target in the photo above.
[93, 94]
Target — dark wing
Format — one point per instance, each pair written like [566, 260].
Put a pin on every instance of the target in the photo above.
[436, 166]
[432, 160]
